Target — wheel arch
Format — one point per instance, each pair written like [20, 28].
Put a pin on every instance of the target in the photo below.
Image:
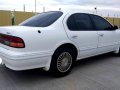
[58, 46]
[68, 45]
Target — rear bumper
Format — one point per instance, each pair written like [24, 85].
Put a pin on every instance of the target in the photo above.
[25, 61]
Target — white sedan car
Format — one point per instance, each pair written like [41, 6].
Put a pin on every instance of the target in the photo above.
[54, 40]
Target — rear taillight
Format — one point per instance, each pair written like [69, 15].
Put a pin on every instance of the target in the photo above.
[12, 41]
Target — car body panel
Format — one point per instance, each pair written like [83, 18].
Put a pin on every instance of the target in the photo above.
[108, 40]
[41, 43]
[87, 41]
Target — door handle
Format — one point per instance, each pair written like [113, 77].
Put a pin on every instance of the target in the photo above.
[101, 34]
[74, 37]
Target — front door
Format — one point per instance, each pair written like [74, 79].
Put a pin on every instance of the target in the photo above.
[107, 36]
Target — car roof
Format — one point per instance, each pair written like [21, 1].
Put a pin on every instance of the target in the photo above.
[66, 11]
[77, 11]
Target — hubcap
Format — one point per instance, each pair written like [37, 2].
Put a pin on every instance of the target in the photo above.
[64, 62]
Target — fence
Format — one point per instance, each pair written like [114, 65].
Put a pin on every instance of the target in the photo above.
[6, 18]
[114, 21]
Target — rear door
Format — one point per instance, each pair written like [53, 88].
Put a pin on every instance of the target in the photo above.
[80, 29]
[107, 36]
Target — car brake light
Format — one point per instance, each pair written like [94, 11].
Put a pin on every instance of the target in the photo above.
[12, 41]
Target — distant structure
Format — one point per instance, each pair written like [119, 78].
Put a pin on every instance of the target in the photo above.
[12, 18]
[24, 8]
[95, 9]
[35, 6]
[43, 8]
[59, 9]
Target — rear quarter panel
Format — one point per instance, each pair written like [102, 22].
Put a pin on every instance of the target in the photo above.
[45, 42]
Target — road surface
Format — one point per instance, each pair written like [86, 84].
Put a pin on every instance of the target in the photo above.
[96, 73]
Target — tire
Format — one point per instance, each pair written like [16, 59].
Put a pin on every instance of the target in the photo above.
[62, 62]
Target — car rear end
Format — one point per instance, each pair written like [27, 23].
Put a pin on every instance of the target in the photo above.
[12, 47]
[30, 45]
[18, 50]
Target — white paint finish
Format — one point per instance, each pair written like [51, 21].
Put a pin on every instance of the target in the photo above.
[32, 63]
[23, 61]
[118, 35]
[39, 47]
[107, 40]
[0, 60]
[86, 40]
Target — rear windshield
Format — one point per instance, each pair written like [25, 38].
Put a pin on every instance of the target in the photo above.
[42, 20]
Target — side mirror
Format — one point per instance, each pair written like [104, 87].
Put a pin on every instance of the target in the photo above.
[115, 27]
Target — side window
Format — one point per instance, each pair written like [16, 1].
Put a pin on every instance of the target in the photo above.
[43, 20]
[71, 23]
[79, 22]
[101, 23]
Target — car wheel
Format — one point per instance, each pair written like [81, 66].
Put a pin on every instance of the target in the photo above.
[62, 62]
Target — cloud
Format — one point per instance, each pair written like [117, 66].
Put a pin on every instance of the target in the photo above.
[102, 5]
[112, 3]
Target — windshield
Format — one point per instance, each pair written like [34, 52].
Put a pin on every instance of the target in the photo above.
[42, 20]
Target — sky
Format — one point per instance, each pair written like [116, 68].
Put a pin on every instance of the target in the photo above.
[104, 7]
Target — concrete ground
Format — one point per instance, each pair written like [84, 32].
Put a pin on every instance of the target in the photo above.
[96, 73]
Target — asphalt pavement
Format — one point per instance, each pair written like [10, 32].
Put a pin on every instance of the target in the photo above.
[96, 73]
